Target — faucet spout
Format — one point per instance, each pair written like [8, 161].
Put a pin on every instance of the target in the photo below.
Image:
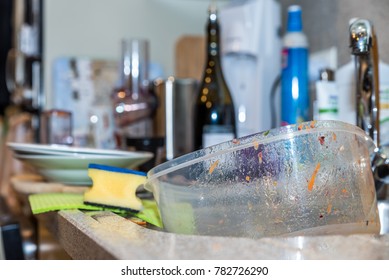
[363, 44]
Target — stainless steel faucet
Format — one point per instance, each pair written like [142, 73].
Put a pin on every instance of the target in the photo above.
[363, 44]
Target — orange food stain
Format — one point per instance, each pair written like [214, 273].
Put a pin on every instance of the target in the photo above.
[260, 157]
[235, 141]
[313, 124]
[213, 166]
[344, 191]
[300, 127]
[256, 145]
[248, 178]
[329, 208]
[312, 180]
[334, 136]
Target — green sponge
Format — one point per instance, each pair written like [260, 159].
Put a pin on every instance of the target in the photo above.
[46, 202]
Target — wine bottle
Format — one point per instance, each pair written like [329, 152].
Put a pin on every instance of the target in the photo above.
[214, 116]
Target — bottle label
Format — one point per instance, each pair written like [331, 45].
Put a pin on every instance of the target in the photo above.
[384, 113]
[215, 134]
[284, 58]
[327, 100]
[294, 86]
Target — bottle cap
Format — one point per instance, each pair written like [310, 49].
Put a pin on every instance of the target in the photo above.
[212, 9]
[294, 19]
[326, 74]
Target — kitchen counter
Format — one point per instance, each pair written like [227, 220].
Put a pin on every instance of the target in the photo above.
[104, 235]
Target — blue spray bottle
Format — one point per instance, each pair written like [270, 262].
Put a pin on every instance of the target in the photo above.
[294, 77]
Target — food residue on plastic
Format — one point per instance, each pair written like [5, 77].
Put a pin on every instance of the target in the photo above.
[321, 140]
[307, 126]
[260, 157]
[248, 178]
[256, 145]
[313, 177]
[213, 166]
[329, 208]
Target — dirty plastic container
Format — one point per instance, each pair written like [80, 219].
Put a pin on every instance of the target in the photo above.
[309, 179]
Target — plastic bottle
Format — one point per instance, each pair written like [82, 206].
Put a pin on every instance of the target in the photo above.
[345, 83]
[294, 77]
[384, 102]
[326, 96]
[214, 115]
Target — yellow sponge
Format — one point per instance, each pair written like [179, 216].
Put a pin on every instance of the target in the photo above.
[114, 187]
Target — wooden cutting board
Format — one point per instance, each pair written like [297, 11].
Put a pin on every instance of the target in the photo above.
[190, 56]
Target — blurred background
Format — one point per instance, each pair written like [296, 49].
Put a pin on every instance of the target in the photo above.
[61, 64]
[51, 33]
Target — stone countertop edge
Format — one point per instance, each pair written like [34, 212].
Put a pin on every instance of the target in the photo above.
[105, 235]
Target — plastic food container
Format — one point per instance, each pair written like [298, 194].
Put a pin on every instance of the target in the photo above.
[309, 179]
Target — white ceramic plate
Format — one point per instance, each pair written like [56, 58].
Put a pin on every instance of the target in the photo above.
[69, 165]
[42, 149]
[82, 161]
[77, 177]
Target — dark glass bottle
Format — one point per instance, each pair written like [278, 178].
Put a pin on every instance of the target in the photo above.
[214, 116]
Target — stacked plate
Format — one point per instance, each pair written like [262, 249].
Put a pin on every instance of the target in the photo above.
[69, 165]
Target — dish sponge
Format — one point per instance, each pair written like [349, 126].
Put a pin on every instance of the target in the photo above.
[114, 187]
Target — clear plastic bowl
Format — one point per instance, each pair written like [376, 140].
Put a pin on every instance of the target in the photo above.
[309, 179]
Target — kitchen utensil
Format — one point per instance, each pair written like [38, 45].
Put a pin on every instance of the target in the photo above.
[173, 119]
[313, 178]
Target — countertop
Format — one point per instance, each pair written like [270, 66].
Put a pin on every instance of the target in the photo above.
[105, 235]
